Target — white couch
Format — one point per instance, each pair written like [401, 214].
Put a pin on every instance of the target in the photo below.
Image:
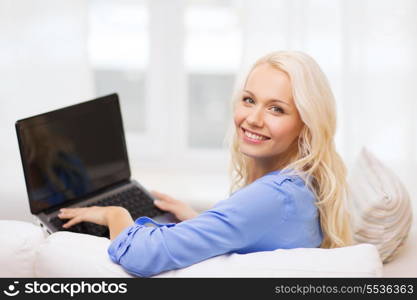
[27, 252]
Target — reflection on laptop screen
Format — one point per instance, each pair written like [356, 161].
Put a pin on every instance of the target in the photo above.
[72, 152]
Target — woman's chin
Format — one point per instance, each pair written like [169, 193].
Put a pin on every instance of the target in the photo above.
[252, 154]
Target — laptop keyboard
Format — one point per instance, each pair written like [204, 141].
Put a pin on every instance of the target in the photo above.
[133, 199]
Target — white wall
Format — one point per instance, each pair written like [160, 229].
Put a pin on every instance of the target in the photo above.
[379, 94]
[366, 47]
[43, 66]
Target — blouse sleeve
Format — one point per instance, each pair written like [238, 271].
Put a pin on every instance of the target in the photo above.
[233, 224]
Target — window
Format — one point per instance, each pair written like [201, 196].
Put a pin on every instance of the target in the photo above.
[174, 74]
[212, 57]
[118, 50]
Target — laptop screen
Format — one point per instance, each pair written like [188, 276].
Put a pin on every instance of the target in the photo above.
[72, 152]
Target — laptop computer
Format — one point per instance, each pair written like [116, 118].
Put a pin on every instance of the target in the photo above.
[77, 157]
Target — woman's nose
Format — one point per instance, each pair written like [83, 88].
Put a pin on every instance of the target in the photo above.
[255, 118]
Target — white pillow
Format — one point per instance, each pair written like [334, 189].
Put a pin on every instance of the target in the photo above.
[19, 241]
[66, 254]
[379, 204]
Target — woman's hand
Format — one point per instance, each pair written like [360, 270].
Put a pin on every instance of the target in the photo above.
[182, 211]
[94, 214]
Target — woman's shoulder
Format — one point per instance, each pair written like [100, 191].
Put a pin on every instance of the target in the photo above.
[269, 185]
[278, 177]
[291, 184]
[293, 188]
[276, 184]
[275, 191]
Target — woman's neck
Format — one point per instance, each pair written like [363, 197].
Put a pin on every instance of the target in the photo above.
[262, 166]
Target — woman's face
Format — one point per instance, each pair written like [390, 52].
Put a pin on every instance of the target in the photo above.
[266, 119]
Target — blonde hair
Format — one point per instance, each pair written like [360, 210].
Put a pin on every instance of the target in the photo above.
[314, 158]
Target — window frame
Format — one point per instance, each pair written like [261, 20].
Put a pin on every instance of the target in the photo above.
[166, 99]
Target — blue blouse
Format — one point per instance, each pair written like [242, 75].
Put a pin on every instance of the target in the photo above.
[275, 211]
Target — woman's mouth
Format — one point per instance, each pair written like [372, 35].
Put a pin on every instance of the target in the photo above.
[253, 138]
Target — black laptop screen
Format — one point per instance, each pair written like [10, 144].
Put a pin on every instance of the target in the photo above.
[73, 152]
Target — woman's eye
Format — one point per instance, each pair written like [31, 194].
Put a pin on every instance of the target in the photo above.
[278, 109]
[248, 100]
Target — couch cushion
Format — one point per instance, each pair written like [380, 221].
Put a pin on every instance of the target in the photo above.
[380, 205]
[355, 261]
[405, 262]
[66, 254]
[19, 241]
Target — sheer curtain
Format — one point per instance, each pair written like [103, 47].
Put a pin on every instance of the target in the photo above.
[367, 50]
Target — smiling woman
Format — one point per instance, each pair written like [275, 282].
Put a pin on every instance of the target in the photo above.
[285, 118]
[267, 126]
[290, 180]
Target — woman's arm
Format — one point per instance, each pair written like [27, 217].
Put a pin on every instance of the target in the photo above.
[118, 219]
[255, 218]
[181, 210]
[115, 217]
[232, 225]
